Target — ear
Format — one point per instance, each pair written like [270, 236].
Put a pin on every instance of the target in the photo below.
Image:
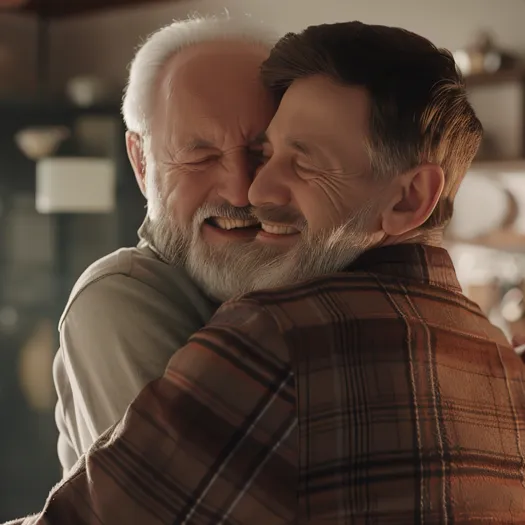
[416, 194]
[135, 149]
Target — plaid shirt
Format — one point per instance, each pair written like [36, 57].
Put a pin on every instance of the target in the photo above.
[377, 395]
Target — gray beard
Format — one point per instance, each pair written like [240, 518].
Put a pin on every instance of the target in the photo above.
[166, 240]
[223, 272]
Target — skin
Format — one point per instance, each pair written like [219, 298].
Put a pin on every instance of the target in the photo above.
[316, 206]
[196, 167]
[317, 167]
[211, 106]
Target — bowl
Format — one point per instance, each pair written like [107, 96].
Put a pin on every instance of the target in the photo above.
[37, 143]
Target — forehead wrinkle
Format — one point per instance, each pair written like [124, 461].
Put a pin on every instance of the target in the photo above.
[216, 119]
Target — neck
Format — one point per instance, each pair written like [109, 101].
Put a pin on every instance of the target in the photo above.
[429, 237]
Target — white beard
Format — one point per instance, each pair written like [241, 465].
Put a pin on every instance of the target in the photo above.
[240, 267]
[244, 266]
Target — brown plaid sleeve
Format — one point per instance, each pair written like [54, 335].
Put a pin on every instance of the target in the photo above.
[212, 441]
[417, 418]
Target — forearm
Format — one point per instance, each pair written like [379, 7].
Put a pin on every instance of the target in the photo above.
[217, 429]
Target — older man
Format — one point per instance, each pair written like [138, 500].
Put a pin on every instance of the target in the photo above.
[372, 392]
[193, 105]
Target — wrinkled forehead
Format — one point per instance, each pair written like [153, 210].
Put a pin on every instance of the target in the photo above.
[216, 82]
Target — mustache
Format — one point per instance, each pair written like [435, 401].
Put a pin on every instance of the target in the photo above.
[267, 213]
[280, 214]
[224, 210]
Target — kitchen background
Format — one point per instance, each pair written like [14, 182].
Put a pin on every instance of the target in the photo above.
[68, 196]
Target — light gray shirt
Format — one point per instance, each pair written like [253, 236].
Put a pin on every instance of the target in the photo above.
[126, 316]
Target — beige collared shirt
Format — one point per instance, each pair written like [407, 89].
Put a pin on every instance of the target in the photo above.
[127, 315]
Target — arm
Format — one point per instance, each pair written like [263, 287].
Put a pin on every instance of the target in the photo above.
[117, 335]
[212, 441]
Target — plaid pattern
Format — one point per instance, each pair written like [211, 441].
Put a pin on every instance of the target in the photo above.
[378, 395]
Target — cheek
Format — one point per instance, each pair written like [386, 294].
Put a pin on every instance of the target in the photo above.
[185, 193]
[324, 204]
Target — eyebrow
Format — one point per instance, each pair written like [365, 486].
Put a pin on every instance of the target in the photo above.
[295, 144]
[299, 146]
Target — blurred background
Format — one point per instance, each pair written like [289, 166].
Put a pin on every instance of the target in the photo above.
[68, 196]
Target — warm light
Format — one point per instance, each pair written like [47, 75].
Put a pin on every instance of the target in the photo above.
[75, 185]
[9, 4]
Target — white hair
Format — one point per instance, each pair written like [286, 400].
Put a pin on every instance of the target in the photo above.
[171, 39]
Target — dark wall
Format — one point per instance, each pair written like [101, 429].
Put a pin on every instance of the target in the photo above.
[41, 256]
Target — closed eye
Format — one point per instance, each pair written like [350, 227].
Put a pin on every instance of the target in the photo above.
[202, 161]
[308, 168]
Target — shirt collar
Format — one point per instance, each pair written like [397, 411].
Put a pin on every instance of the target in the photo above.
[426, 264]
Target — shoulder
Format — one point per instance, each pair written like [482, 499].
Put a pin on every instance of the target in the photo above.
[245, 334]
[305, 290]
[311, 301]
[358, 295]
[139, 264]
[131, 278]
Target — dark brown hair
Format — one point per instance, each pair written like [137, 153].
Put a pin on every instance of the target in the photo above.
[419, 108]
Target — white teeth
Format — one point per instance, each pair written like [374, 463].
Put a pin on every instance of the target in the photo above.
[278, 230]
[230, 224]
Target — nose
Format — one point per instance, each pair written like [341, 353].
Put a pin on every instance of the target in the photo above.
[269, 186]
[235, 179]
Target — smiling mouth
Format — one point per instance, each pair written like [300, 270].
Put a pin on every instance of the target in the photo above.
[278, 229]
[224, 223]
